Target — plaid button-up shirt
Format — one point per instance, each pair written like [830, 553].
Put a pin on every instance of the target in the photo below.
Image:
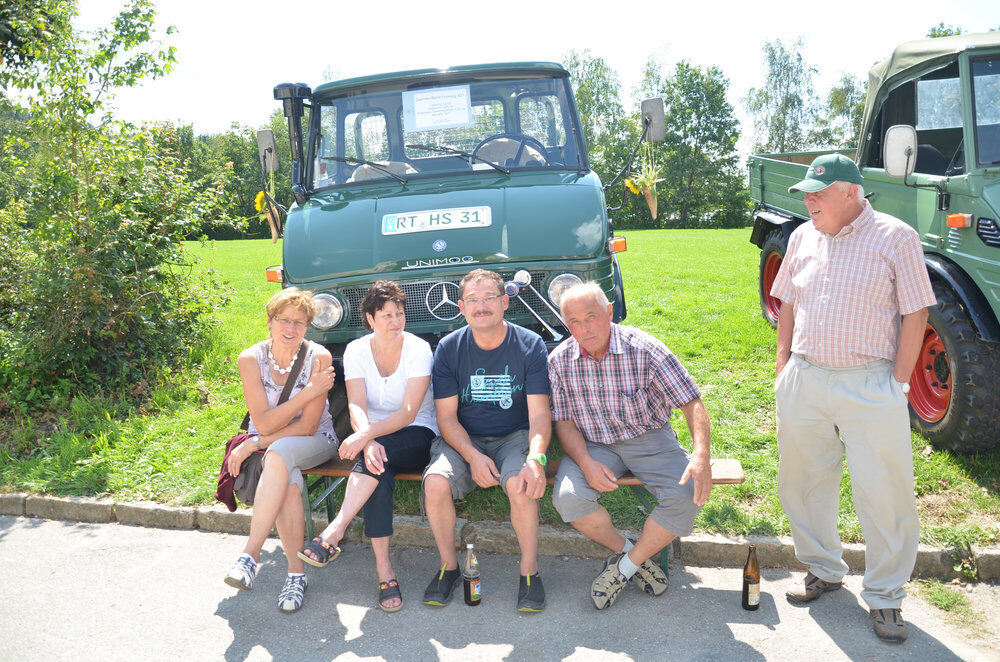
[850, 289]
[629, 392]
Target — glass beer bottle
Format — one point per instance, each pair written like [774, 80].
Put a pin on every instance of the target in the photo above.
[470, 578]
[751, 581]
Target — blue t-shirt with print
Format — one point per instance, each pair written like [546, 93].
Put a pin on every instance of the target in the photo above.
[492, 386]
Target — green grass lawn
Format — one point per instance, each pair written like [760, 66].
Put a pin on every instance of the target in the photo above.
[694, 289]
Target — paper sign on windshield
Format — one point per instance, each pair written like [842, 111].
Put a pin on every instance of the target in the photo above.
[437, 108]
[437, 219]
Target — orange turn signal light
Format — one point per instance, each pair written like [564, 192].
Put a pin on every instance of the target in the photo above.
[274, 274]
[959, 220]
[616, 245]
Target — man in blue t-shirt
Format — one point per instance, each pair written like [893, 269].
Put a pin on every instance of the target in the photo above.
[491, 389]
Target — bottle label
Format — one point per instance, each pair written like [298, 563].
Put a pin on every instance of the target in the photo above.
[753, 595]
[474, 562]
[475, 590]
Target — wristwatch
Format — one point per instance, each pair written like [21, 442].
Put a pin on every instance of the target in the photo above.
[256, 441]
[539, 458]
[905, 386]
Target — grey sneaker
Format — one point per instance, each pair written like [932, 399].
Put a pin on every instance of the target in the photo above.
[811, 588]
[609, 584]
[290, 598]
[243, 572]
[889, 625]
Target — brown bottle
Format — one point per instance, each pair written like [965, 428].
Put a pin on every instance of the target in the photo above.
[471, 579]
[751, 581]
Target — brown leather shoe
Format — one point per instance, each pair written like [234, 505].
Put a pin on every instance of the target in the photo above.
[810, 589]
[889, 625]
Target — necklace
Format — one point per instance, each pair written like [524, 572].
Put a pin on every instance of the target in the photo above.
[274, 364]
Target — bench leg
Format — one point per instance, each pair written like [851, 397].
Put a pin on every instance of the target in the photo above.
[307, 507]
[648, 502]
[324, 497]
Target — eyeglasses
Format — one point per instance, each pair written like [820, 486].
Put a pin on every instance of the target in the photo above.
[284, 321]
[487, 300]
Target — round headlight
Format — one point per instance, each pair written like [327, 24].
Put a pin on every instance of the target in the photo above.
[559, 285]
[329, 311]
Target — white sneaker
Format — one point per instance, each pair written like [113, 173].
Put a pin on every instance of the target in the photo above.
[243, 572]
[290, 598]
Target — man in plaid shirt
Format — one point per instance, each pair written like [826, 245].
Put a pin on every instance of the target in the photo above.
[854, 292]
[613, 389]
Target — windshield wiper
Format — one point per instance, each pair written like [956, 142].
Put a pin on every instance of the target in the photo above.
[377, 166]
[459, 153]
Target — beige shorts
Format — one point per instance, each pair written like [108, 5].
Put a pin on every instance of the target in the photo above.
[656, 458]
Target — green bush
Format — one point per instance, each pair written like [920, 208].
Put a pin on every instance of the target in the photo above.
[103, 295]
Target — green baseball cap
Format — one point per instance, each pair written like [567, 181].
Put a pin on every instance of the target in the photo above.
[827, 169]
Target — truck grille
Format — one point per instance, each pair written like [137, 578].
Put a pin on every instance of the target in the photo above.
[989, 232]
[417, 310]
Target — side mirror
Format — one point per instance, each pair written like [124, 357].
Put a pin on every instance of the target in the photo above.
[899, 150]
[267, 150]
[653, 115]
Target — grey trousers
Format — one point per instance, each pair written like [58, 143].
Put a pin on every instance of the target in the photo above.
[868, 407]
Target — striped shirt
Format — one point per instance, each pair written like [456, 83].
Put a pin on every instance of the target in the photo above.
[629, 392]
[850, 289]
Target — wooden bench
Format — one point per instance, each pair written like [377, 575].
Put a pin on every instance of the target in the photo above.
[331, 474]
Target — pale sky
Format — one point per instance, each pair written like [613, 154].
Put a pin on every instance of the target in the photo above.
[230, 54]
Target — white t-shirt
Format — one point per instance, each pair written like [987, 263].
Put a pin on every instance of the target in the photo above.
[385, 394]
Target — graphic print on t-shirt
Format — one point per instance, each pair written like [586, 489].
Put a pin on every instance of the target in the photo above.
[492, 388]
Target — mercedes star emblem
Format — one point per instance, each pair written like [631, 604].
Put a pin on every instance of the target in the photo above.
[439, 245]
[441, 300]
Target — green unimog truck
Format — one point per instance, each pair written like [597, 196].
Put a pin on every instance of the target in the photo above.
[930, 155]
[421, 176]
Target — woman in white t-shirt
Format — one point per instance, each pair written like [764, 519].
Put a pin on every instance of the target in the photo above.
[388, 376]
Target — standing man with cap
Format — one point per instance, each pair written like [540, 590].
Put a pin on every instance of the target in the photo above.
[854, 292]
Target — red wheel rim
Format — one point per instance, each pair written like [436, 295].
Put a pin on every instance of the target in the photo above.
[930, 384]
[772, 304]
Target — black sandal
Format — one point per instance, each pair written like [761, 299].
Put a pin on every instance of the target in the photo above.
[387, 591]
[323, 551]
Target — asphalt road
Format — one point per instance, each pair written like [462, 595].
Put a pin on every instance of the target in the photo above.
[73, 591]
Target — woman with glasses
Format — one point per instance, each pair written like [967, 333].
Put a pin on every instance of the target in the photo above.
[387, 374]
[296, 434]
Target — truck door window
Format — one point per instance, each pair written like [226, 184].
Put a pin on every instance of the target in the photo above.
[986, 104]
[324, 170]
[939, 121]
[939, 104]
[541, 118]
[365, 136]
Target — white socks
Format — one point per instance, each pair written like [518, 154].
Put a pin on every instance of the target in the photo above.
[626, 567]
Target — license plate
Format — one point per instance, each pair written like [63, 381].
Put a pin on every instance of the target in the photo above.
[437, 219]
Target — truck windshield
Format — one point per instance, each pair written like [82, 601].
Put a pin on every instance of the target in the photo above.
[491, 126]
[986, 102]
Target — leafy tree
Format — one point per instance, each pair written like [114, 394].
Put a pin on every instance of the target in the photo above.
[838, 123]
[106, 295]
[699, 157]
[26, 29]
[942, 30]
[782, 108]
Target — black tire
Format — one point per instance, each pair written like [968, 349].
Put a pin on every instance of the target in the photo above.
[338, 409]
[772, 252]
[969, 371]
